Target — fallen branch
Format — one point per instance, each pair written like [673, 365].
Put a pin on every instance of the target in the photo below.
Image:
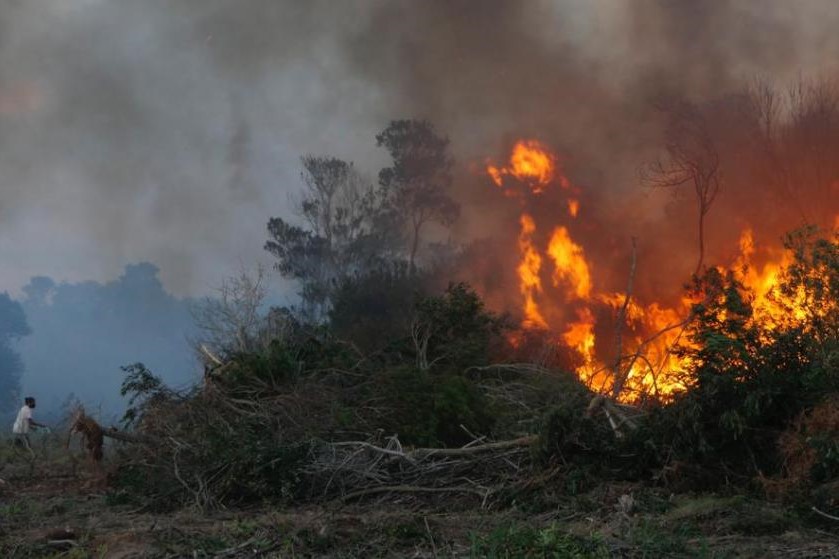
[115, 434]
[824, 514]
[414, 489]
[465, 451]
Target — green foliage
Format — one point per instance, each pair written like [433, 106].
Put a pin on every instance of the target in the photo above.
[429, 410]
[749, 379]
[370, 304]
[277, 363]
[457, 328]
[143, 389]
[509, 541]
[567, 433]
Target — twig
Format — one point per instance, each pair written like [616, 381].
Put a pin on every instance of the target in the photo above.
[824, 514]
[425, 452]
[232, 551]
[413, 489]
[430, 536]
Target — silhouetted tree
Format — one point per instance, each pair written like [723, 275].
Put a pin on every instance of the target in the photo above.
[419, 180]
[344, 230]
[13, 325]
[691, 158]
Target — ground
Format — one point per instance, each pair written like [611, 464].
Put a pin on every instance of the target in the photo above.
[58, 511]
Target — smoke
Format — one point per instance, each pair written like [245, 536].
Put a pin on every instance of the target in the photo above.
[584, 77]
[161, 131]
[169, 131]
[82, 333]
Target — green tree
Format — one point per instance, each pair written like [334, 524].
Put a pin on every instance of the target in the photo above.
[419, 180]
[454, 330]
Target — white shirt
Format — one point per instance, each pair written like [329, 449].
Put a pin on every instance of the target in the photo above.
[21, 426]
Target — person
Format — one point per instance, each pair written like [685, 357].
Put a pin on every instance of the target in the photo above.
[24, 423]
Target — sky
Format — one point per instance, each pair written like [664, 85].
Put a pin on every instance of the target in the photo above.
[169, 131]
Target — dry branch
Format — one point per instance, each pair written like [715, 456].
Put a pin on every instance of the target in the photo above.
[356, 469]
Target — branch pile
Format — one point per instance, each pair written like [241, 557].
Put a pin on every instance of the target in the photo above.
[357, 469]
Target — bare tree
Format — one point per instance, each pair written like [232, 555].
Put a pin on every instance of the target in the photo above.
[691, 159]
[232, 321]
[796, 136]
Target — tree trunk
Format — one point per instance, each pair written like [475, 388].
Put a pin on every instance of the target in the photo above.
[414, 247]
[702, 211]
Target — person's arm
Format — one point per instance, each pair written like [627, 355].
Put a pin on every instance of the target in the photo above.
[33, 423]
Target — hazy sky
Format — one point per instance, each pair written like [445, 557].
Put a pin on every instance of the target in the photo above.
[168, 131]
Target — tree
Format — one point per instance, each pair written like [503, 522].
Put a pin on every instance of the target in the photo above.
[232, 322]
[454, 330]
[691, 158]
[344, 230]
[379, 301]
[419, 179]
[13, 325]
[796, 136]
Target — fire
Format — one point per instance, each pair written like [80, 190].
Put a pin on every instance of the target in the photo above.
[573, 207]
[570, 264]
[530, 163]
[763, 282]
[638, 358]
[529, 281]
[645, 362]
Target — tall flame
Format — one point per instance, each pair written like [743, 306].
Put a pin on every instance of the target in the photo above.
[570, 264]
[649, 333]
[528, 271]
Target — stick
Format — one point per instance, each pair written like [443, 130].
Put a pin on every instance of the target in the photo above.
[205, 350]
[425, 452]
[412, 489]
[619, 375]
[112, 433]
[430, 537]
[824, 514]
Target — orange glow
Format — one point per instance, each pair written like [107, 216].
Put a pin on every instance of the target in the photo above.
[570, 264]
[530, 163]
[770, 309]
[560, 294]
[528, 271]
[573, 207]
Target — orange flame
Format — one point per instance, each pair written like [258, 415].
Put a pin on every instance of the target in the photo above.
[570, 263]
[650, 332]
[530, 163]
[528, 271]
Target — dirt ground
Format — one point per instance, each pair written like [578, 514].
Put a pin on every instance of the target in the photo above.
[56, 510]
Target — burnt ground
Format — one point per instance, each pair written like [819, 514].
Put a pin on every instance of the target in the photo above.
[57, 511]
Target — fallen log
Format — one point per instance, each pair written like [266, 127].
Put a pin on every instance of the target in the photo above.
[114, 433]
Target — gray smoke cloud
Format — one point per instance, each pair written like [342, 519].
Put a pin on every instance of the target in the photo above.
[169, 130]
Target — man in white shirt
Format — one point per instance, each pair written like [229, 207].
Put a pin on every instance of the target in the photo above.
[24, 423]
